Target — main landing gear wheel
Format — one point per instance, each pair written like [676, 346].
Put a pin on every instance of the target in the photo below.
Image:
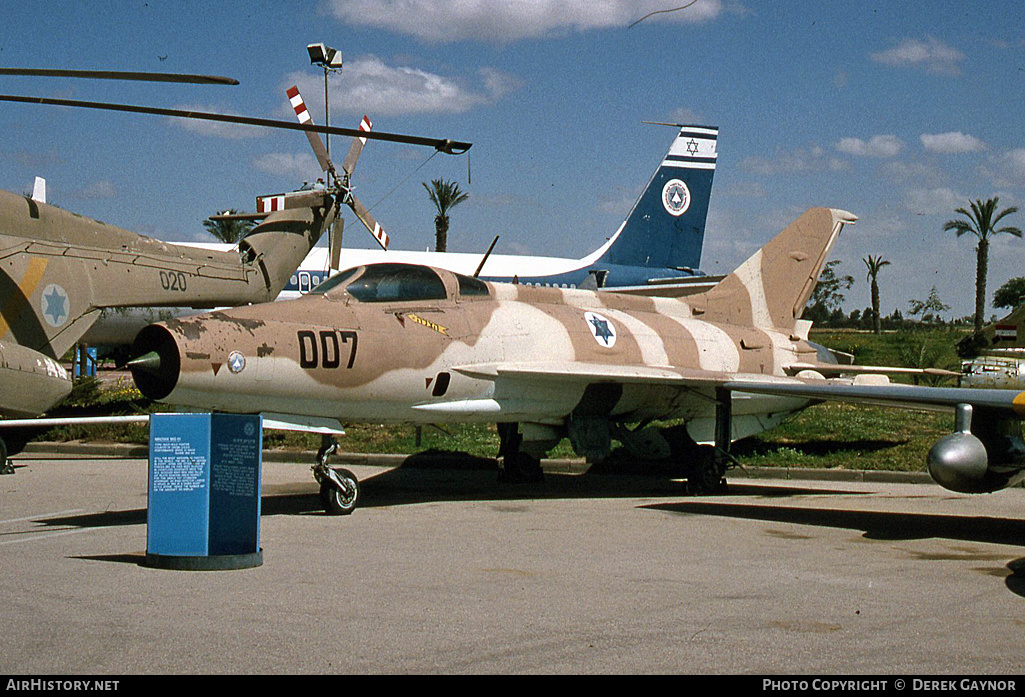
[517, 466]
[339, 488]
[5, 465]
[521, 468]
[708, 477]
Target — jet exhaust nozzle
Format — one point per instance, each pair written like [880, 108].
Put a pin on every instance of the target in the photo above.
[156, 363]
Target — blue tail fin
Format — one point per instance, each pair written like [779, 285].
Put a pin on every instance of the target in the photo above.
[666, 227]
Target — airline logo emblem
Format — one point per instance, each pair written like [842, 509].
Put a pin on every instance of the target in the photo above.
[694, 148]
[675, 197]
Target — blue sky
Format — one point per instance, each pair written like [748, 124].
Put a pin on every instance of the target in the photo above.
[898, 112]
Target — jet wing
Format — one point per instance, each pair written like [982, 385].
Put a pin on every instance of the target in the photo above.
[1011, 402]
[539, 391]
[569, 371]
[848, 369]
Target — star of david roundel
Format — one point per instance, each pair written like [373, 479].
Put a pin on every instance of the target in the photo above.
[675, 197]
[56, 305]
[603, 331]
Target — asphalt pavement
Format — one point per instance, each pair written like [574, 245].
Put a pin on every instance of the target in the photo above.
[447, 570]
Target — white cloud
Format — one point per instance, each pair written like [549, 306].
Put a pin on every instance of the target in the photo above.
[951, 143]
[1007, 169]
[813, 159]
[686, 115]
[288, 164]
[101, 189]
[915, 173]
[876, 146]
[933, 201]
[931, 55]
[216, 129]
[503, 22]
[1015, 161]
[369, 85]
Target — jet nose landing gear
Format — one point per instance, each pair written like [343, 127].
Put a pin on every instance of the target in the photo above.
[339, 488]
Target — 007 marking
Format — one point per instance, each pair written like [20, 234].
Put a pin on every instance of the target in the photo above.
[323, 349]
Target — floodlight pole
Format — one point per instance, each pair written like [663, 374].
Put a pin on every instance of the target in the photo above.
[327, 115]
[330, 60]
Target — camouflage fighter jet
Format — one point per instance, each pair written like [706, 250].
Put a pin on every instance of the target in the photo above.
[394, 343]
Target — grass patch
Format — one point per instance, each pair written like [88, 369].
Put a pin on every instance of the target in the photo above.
[834, 435]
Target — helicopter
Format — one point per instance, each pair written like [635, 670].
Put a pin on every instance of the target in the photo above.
[58, 270]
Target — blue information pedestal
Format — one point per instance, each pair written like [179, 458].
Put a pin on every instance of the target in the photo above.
[204, 491]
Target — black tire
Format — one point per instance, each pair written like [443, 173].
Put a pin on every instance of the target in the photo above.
[337, 502]
[521, 468]
[707, 477]
[5, 465]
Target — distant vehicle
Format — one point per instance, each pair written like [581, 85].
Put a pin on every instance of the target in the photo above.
[1003, 371]
[995, 357]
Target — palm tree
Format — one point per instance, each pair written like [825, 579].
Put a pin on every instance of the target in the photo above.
[982, 222]
[230, 231]
[874, 264]
[445, 196]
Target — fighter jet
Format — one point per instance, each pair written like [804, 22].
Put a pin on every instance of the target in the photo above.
[395, 343]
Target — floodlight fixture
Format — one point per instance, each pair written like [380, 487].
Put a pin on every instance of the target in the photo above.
[325, 56]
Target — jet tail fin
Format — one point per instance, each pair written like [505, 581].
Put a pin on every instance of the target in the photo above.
[666, 226]
[771, 288]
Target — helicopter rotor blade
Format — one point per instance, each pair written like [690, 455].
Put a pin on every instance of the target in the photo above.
[316, 142]
[368, 220]
[335, 243]
[444, 145]
[302, 199]
[357, 147]
[123, 75]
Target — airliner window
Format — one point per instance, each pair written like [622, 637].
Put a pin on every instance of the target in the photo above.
[469, 286]
[396, 283]
[339, 279]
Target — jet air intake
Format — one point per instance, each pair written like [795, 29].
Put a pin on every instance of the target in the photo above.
[980, 457]
[156, 363]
